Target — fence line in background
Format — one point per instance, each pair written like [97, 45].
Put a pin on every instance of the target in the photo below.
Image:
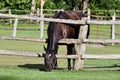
[89, 21]
[42, 19]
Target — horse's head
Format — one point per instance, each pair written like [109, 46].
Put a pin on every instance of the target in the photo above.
[49, 60]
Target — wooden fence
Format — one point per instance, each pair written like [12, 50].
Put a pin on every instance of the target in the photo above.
[90, 15]
[80, 43]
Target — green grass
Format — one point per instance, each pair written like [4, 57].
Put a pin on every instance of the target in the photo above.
[26, 46]
[29, 68]
[110, 49]
[58, 75]
[18, 45]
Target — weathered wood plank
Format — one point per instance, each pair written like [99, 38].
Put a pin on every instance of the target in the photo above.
[81, 48]
[33, 54]
[61, 20]
[66, 56]
[36, 54]
[101, 56]
[109, 41]
[43, 19]
[67, 41]
[22, 39]
[15, 28]
[19, 53]
[32, 29]
[103, 22]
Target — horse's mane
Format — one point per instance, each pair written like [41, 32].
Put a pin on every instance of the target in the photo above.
[74, 15]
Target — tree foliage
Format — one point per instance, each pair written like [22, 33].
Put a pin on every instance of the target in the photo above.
[104, 4]
[15, 4]
[59, 4]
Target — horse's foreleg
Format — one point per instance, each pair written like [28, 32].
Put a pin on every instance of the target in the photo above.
[56, 65]
[69, 64]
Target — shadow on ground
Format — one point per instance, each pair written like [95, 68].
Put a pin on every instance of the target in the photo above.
[33, 66]
[40, 67]
[111, 67]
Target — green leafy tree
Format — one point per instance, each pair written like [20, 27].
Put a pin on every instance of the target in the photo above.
[49, 4]
[15, 4]
[2, 4]
[104, 4]
[18, 4]
[68, 4]
[59, 4]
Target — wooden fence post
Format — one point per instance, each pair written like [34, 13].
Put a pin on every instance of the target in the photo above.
[15, 28]
[33, 7]
[88, 14]
[10, 18]
[42, 16]
[81, 48]
[113, 26]
[38, 14]
[41, 27]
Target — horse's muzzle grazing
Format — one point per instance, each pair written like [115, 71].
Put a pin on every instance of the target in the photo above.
[48, 67]
[49, 60]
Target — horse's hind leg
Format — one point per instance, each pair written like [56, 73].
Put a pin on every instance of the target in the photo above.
[73, 63]
[73, 53]
[70, 51]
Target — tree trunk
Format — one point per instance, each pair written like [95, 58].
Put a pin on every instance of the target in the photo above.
[33, 7]
[84, 5]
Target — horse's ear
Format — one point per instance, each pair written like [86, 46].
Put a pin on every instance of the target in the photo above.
[45, 48]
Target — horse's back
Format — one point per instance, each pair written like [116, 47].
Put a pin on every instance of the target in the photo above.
[73, 15]
[64, 30]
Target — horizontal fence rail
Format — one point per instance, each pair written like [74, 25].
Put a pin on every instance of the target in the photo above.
[36, 54]
[33, 54]
[101, 56]
[84, 21]
[101, 41]
[103, 22]
[67, 41]
[43, 19]
[32, 29]
[19, 53]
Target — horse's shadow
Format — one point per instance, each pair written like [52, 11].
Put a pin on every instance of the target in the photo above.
[40, 67]
[33, 66]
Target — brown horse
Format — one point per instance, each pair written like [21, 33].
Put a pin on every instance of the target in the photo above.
[57, 31]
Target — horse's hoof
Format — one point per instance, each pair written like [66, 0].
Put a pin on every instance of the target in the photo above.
[56, 67]
[69, 68]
